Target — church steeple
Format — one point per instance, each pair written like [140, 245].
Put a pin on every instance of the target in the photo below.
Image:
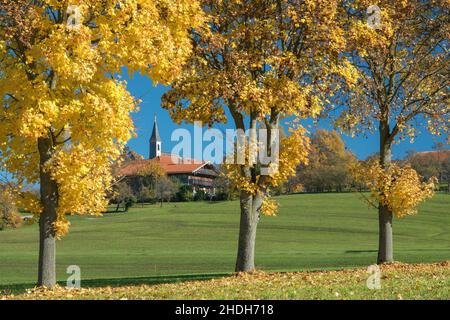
[155, 142]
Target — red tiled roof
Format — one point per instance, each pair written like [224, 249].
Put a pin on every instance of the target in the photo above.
[169, 165]
[435, 155]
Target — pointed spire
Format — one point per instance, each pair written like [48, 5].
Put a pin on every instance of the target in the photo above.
[155, 133]
[155, 142]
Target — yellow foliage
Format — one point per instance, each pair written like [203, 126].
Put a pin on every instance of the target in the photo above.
[294, 150]
[398, 188]
[62, 84]
[400, 68]
[152, 168]
[260, 70]
[269, 207]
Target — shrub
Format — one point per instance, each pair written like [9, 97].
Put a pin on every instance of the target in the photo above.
[185, 193]
[200, 195]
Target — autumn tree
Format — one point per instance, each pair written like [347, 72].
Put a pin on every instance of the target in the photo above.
[165, 188]
[151, 168]
[122, 194]
[260, 62]
[442, 155]
[431, 164]
[399, 187]
[224, 188]
[401, 54]
[145, 183]
[329, 165]
[145, 178]
[65, 114]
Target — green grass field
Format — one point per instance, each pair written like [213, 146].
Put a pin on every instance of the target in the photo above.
[199, 240]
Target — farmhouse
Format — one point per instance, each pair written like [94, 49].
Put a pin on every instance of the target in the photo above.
[198, 174]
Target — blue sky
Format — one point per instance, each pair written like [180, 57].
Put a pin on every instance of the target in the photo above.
[142, 87]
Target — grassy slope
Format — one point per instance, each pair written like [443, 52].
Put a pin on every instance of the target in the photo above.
[316, 231]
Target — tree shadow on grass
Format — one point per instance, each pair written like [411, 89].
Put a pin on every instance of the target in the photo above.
[117, 282]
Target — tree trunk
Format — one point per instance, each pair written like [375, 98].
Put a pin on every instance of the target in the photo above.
[49, 202]
[385, 241]
[385, 251]
[247, 231]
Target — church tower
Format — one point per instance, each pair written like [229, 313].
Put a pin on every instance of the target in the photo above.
[155, 142]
